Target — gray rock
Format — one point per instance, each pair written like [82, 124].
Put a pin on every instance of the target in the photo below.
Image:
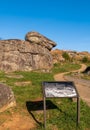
[20, 55]
[7, 99]
[35, 37]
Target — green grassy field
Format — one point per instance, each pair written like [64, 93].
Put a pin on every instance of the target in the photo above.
[63, 117]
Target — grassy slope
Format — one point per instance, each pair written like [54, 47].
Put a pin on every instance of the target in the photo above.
[61, 118]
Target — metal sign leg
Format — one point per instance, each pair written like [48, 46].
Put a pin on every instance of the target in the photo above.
[78, 110]
[44, 112]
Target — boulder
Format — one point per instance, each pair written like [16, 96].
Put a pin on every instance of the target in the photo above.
[20, 55]
[7, 99]
[35, 37]
[87, 70]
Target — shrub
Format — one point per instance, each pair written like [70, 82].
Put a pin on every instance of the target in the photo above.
[85, 59]
[66, 56]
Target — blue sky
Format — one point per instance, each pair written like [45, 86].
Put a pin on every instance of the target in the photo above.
[67, 22]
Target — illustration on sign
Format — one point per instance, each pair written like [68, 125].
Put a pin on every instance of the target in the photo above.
[59, 89]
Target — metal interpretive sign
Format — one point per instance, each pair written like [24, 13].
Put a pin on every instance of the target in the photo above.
[60, 89]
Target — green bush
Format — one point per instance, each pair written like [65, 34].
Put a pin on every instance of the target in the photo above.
[66, 56]
[85, 59]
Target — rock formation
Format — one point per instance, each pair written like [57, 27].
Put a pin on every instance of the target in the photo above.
[87, 70]
[6, 98]
[35, 37]
[31, 54]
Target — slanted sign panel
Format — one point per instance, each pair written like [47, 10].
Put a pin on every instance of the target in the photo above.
[59, 89]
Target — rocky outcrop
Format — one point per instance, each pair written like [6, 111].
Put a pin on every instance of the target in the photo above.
[7, 99]
[35, 37]
[31, 54]
[73, 55]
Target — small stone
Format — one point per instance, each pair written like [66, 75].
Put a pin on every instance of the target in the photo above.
[23, 83]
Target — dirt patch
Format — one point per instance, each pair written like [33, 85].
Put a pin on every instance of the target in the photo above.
[23, 83]
[18, 122]
[12, 75]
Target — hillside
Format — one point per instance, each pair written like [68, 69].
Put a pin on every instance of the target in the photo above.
[73, 55]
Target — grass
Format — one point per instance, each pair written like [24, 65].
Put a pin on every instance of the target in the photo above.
[61, 118]
[64, 118]
[65, 67]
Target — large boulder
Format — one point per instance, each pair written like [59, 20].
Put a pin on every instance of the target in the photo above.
[7, 98]
[35, 37]
[20, 55]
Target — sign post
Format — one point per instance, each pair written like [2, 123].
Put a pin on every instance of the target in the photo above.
[60, 89]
